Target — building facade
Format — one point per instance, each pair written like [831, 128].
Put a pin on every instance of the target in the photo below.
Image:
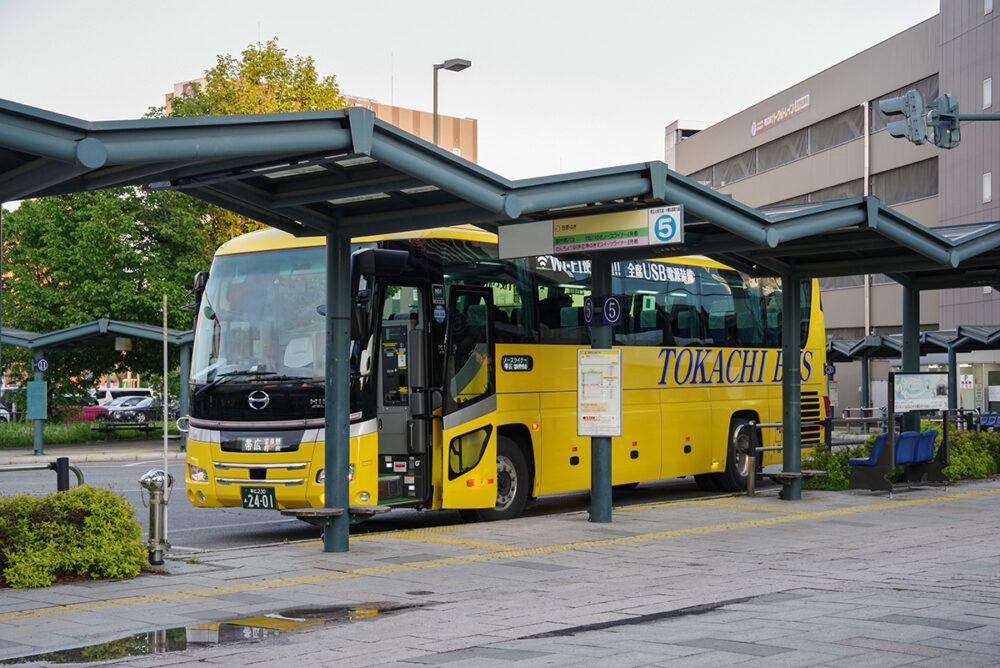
[824, 138]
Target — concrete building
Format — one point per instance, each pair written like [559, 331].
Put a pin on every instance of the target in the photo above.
[458, 135]
[823, 138]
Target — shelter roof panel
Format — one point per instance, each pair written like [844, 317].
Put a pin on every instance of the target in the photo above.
[346, 172]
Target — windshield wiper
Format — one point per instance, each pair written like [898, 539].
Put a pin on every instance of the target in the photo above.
[224, 377]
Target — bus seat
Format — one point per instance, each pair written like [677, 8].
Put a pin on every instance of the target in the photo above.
[299, 352]
[570, 316]
[683, 321]
[906, 447]
[872, 459]
[548, 311]
[718, 328]
[745, 328]
[925, 446]
[475, 316]
[647, 320]
[515, 315]
[499, 315]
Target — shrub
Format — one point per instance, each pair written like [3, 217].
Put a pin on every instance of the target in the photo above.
[83, 531]
[973, 455]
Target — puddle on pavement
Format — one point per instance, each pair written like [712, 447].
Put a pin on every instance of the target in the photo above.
[249, 629]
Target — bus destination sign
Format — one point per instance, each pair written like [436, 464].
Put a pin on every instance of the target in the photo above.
[516, 363]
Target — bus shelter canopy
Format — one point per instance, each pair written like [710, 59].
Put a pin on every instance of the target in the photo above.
[347, 173]
[92, 333]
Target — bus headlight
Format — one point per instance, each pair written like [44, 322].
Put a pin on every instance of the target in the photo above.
[321, 476]
[197, 473]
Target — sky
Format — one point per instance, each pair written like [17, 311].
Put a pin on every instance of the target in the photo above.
[556, 85]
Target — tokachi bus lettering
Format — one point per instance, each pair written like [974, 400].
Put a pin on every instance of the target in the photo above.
[729, 365]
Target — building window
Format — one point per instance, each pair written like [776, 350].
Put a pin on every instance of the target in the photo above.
[735, 169]
[907, 183]
[987, 6]
[836, 130]
[783, 150]
[987, 92]
[987, 187]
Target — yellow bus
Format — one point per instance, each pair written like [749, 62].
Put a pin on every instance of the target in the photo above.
[463, 383]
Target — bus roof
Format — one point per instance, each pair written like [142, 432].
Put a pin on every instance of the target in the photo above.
[273, 239]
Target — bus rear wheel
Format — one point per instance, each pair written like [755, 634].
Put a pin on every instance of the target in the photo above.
[513, 484]
[734, 478]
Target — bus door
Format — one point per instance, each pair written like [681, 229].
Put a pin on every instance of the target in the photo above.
[403, 418]
[468, 464]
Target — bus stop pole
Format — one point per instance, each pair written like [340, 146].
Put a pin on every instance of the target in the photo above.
[791, 377]
[600, 446]
[911, 346]
[39, 425]
[336, 529]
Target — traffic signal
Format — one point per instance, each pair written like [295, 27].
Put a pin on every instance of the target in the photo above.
[911, 106]
[942, 116]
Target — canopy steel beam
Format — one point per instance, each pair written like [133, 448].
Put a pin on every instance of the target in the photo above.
[347, 190]
[808, 226]
[227, 202]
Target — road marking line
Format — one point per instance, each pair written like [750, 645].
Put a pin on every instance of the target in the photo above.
[510, 553]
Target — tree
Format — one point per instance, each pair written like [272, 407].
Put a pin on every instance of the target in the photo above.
[113, 254]
[264, 80]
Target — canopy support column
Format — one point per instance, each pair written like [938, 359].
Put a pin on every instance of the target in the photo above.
[336, 530]
[39, 425]
[911, 345]
[866, 383]
[600, 446]
[791, 382]
[952, 378]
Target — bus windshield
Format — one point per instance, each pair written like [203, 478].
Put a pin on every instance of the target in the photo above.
[261, 316]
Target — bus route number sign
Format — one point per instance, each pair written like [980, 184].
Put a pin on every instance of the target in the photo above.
[611, 310]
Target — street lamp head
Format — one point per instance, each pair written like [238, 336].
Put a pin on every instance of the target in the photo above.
[454, 64]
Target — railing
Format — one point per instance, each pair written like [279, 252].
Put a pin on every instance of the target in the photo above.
[61, 466]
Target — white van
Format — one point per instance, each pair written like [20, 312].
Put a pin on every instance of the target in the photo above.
[105, 395]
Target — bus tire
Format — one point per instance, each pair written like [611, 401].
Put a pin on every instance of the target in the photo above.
[513, 485]
[734, 478]
[706, 482]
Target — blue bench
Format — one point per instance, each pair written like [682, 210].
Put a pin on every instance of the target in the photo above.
[914, 450]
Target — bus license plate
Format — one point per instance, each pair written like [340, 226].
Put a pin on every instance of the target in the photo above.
[258, 498]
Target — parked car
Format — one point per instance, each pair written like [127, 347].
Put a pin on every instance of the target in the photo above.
[104, 396]
[134, 409]
[83, 413]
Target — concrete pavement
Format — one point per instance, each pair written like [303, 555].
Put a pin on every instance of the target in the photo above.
[836, 579]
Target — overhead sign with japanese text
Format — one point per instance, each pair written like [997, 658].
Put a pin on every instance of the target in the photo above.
[607, 231]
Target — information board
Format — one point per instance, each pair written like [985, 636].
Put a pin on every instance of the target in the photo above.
[599, 392]
[920, 392]
[37, 403]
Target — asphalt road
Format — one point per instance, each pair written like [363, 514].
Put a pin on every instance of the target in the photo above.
[198, 529]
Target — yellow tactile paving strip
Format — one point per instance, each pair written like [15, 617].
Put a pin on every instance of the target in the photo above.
[501, 552]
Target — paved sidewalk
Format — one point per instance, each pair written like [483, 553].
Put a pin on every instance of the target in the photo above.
[837, 579]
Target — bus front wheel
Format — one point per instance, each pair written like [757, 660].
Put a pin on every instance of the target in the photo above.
[734, 478]
[512, 485]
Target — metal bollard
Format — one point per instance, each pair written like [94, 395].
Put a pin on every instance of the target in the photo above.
[61, 467]
[158, 484]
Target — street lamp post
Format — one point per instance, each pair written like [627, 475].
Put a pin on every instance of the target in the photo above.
[454, 65]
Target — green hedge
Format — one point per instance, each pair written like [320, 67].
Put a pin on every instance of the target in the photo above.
[973, 455]
[84, 531]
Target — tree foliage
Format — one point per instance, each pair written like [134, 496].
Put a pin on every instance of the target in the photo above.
[112, 254]
[264, 80]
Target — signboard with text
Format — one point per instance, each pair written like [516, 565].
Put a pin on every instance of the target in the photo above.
[920, 392]
[599, 393]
